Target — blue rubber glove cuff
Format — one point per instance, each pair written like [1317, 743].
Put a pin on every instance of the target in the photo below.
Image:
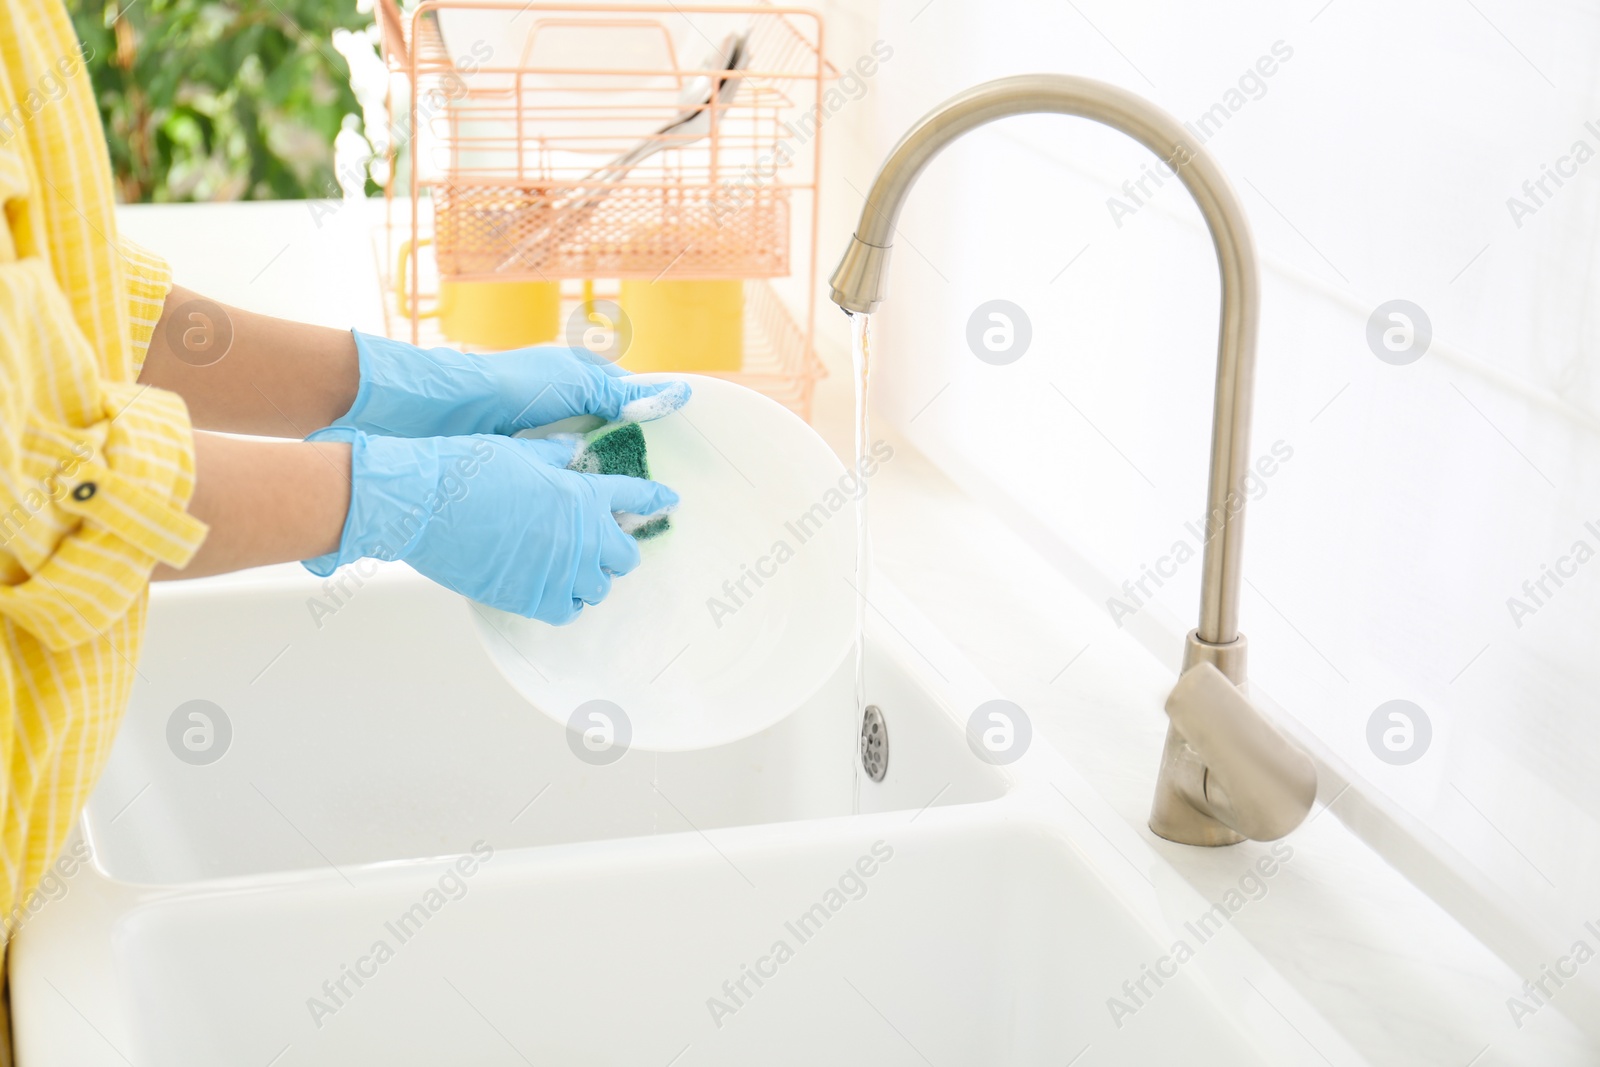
[381, 523]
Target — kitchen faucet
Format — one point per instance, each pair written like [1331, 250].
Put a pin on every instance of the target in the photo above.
[1226, 772]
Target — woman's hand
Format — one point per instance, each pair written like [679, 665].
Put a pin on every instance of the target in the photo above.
[242, 372]
[497, 519]
[406, 391]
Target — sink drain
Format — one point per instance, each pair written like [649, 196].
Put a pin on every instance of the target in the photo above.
[874, 743]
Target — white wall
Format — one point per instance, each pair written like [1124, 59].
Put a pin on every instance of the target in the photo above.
[1374, 164]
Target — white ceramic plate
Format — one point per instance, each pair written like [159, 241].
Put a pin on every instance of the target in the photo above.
[737, 614]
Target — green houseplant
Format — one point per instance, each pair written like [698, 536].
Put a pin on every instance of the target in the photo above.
[219, 99]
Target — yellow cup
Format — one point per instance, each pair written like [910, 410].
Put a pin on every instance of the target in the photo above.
[495, 315]
[684, 325]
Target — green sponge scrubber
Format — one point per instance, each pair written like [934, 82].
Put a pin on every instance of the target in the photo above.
[620, 450]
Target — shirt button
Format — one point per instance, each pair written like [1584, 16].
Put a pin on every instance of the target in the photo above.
[84, 491]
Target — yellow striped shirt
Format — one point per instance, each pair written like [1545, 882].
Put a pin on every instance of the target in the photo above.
[95, 469]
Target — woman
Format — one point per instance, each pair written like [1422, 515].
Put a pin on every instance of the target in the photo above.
[104, 479]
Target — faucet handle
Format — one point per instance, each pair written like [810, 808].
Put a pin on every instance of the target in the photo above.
[1256, 781]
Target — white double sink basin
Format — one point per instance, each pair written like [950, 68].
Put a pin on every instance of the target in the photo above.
[398, 861]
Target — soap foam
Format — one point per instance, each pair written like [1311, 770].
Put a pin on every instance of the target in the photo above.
[646, 408]
[631, 524]
[584, 461]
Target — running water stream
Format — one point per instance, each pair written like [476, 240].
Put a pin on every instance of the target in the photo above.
[861, 352]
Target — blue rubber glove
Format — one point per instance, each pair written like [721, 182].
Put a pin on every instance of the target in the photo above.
[407, 391]
[497, 519]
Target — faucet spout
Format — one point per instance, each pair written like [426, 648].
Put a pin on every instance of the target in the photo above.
[1191, 805]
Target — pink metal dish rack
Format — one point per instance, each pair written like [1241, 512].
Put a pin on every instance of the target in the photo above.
[511, 153]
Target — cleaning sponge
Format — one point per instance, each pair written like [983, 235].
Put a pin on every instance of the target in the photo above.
[620, 450]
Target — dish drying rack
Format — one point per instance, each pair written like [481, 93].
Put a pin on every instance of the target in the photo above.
[583, 144]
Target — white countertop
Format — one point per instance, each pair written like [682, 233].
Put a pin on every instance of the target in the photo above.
[1401, 980]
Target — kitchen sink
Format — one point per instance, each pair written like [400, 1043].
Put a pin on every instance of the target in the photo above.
[395, 859]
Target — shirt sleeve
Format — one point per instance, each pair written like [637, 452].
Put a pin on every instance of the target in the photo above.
[95, 474]
[149, 282]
